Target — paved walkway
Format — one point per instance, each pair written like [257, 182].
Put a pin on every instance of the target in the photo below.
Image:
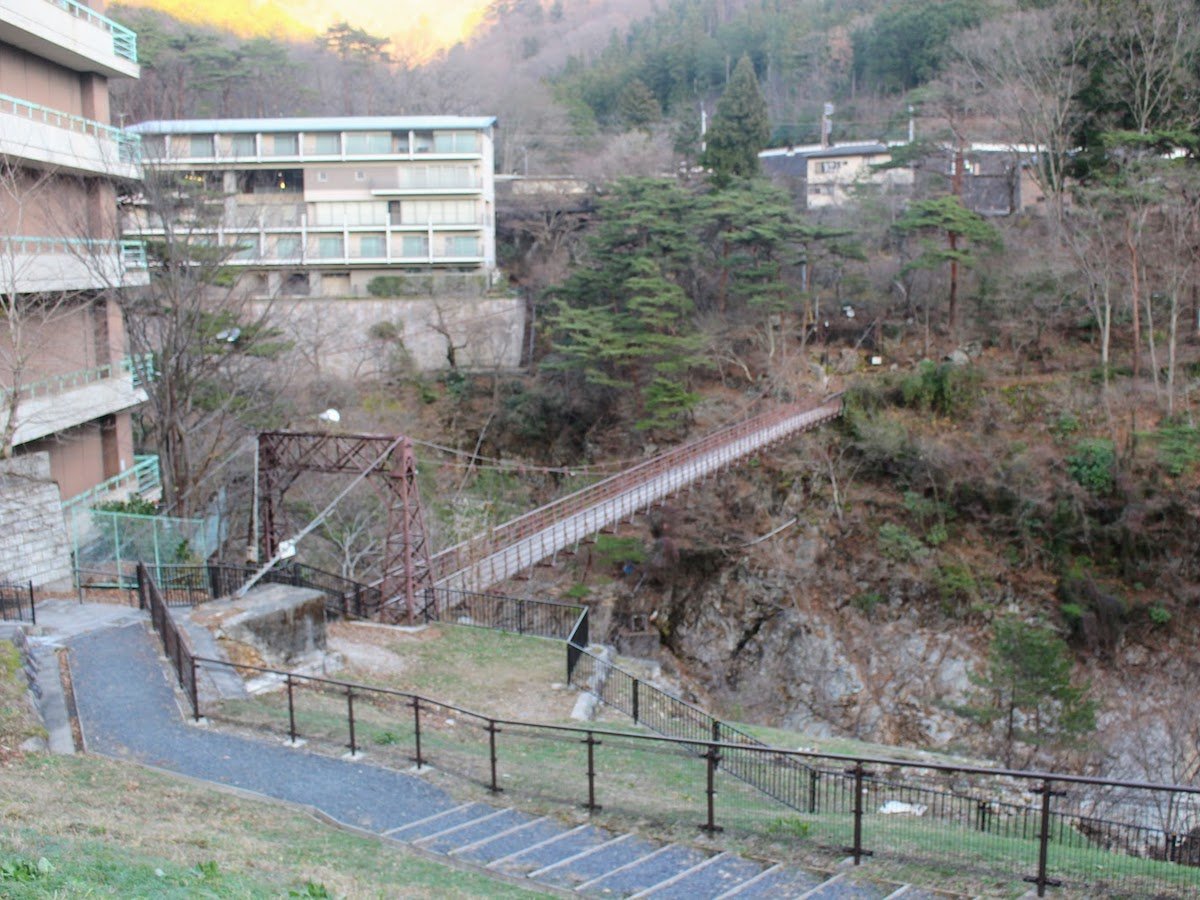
[129, 710]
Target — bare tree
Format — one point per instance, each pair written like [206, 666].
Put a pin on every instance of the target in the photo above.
[1030, 67]
[211, 349]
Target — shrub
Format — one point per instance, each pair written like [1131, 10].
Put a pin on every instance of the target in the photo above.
[386, 286]
[1092, 464]
[1159, 615]
[955, 585]
[866, 602]
[1178, 447]
[944, 389]
[898, 543]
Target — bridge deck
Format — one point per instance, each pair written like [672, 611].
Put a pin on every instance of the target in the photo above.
[521, 543]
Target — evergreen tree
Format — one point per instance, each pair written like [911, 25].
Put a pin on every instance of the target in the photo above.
[740, 128]
[1027, 687]
[945, 218]
[622, 325]
[637, 107]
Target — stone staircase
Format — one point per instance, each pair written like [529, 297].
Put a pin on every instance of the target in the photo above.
[595, 862]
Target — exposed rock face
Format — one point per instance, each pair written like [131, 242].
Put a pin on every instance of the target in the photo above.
[283, 624]
[758, 643]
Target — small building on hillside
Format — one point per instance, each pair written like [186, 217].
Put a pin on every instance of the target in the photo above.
[822, 177]
[997, 179]
[394, 212]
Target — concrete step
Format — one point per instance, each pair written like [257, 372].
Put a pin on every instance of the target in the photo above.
[595, 861]
[505, 843]
[843, 887]
[468, 833]
[439, 821]
[711, 878]
[777, 881]
[663, 864]
[551, 850]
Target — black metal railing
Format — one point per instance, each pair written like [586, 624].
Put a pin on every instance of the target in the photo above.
[850, 800]
[175, 645]
[1091, 834]
[16, 603]
[184, 585]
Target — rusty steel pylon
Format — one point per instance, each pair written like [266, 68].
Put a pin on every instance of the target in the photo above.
[284, 455]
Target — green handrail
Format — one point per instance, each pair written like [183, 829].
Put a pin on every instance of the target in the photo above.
[124, 40]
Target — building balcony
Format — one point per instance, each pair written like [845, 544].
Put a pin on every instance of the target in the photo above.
[60, 402]
[30, 265]
[70, 34]
[142, 480]
[65, 141]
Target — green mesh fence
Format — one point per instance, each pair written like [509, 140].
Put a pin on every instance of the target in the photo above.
[107, 546]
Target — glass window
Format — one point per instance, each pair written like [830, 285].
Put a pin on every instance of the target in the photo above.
[243, 145]
[329, 247]
[285, 144]
[287, 248]
[462, 245]
[455, 142]
[422, 141]
[363, 142]
[371, 246]
[200, 145]
[327, 144]
[414, 245]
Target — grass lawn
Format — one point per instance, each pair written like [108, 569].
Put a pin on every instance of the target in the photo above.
[106, 828]
[88, 826]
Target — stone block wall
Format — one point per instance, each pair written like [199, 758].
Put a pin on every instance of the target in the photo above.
[33, 535]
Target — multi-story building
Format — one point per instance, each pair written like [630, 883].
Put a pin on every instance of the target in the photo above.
[320, 207]
[396, 213]
[67, 385]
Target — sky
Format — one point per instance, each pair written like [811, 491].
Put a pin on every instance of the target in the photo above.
[418, 28]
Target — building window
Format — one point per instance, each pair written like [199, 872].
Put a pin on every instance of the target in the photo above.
[329, 247]
[285, 144]
[200, 146]
[369, 142]
[435, 177]
[322, 176]
[287, 247]
[455, 142]
[436, 212]
[831, 165]
[295, 284]
[244, 145]
[462, 245]
[246, 249]
[327, 144]
[415, 245]
[372, 246]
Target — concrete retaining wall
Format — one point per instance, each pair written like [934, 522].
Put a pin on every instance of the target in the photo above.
[362, 337]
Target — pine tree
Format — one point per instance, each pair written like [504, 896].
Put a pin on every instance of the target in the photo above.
[945, 218]
[637, 107]
[740, 128]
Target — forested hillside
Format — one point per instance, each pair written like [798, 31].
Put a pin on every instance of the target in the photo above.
[996, 548]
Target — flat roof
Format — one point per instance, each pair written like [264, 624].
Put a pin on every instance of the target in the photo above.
[315, 123]
[812, 151]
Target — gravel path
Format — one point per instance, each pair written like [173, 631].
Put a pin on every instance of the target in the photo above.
[128, 710]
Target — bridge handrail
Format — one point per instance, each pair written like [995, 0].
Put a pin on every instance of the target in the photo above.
[456, 557]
